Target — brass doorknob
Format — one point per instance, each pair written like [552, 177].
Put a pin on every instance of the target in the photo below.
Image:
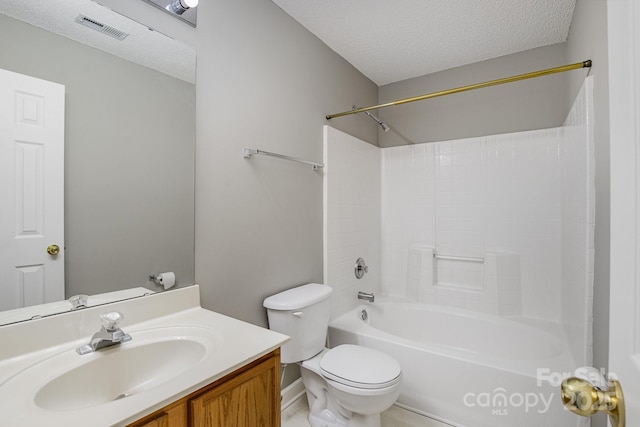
[582, 398]
[53, 249]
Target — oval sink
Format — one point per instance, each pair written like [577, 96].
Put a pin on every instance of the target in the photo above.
[118, 372]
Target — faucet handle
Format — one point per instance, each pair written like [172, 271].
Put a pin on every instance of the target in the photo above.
[78, 301]
[361, 268]
[111, 319]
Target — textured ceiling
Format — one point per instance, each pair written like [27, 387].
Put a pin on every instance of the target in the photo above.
[389, 41]
[148, 48]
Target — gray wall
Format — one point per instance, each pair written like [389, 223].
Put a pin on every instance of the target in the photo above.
[588, 39]
[129, 153]
[263, 82]
[532, 104]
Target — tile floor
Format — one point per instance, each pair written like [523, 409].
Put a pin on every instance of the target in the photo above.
[296, 416]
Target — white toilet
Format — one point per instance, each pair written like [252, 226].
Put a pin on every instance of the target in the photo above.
[348, 385]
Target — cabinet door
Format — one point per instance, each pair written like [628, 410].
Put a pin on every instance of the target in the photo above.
[161, 421]
[250, 399]
[174, 415]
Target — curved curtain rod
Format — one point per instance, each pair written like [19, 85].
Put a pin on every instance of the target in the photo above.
[578, 65]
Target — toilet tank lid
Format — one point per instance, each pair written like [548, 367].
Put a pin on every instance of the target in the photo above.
[298, 297]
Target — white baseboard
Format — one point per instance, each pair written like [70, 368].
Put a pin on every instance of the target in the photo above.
[291, 394]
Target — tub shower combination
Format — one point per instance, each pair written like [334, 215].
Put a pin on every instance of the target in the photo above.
[480, 254]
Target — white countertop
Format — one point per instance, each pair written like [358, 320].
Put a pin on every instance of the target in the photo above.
[234, 344]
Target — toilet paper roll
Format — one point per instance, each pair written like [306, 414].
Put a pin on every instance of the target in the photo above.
[167, 279]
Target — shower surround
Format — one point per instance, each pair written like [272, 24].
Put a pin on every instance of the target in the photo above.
[514, 212]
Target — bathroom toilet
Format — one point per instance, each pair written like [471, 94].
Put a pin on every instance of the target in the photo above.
[348, 385]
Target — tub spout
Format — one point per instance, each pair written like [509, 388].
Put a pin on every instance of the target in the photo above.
[367, 296]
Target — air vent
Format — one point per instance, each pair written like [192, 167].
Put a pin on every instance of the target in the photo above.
[100, 27]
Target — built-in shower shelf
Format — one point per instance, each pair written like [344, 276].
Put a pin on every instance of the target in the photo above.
[458, 258]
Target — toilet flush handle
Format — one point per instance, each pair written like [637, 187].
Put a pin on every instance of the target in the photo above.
[298, 313]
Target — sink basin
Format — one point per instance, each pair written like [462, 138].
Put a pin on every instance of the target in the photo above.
[122, 372]
[152, 358]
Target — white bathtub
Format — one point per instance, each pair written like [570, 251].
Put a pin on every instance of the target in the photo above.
[466, 368]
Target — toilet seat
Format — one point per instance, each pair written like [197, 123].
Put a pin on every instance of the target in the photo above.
[360, 367]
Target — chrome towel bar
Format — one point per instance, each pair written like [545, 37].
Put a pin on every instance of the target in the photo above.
[248, 152]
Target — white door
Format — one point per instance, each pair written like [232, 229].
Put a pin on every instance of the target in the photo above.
[624, 78]
[31, 190]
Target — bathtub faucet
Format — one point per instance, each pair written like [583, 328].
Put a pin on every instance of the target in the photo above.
[367, 296]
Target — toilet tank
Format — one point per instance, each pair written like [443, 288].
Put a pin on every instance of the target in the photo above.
[303, 314]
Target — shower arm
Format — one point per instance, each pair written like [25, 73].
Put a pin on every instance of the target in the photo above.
[384, 126]
[540, 73]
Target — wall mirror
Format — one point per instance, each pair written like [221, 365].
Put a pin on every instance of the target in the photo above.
[129, 135]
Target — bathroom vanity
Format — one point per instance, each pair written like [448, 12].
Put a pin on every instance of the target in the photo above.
[184, 366]
[249, 396]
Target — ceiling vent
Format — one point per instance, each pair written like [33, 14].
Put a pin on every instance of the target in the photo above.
[100, 27]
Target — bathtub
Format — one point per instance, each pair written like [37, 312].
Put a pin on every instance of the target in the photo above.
[466, 368]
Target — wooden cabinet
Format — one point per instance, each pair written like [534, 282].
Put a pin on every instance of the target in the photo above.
[247, 397]
[174, 415]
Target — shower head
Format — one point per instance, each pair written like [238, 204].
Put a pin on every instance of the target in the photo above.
[380, 122]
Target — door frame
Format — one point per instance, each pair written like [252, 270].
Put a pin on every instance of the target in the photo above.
[624, 92]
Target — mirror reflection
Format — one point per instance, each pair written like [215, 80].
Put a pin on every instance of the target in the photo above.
[129, 140]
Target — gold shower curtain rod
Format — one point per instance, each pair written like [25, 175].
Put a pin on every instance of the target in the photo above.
[584, 64]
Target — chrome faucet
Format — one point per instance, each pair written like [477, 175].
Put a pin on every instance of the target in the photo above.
[110, 334]
[367, 296]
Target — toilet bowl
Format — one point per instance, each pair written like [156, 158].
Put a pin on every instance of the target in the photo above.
[346, 386]
[357, 382]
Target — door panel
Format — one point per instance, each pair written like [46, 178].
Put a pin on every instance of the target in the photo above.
[31, 190]
[624, 82]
